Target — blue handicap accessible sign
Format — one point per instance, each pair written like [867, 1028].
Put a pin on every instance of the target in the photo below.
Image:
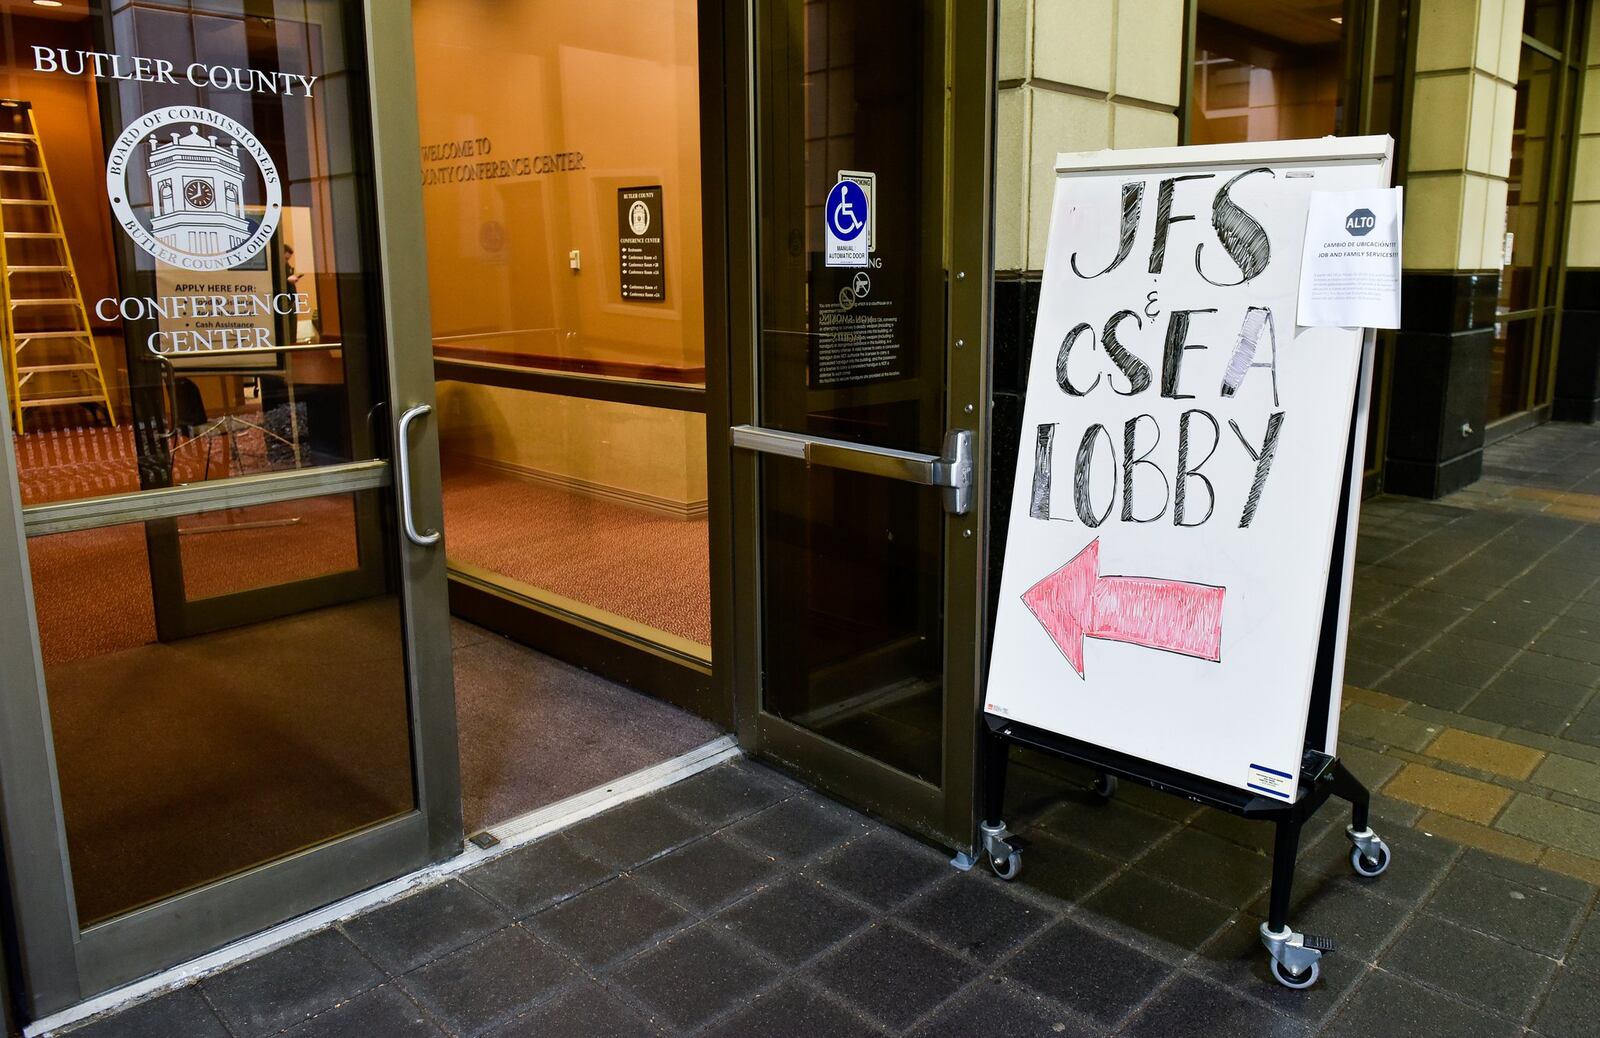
[845, 214]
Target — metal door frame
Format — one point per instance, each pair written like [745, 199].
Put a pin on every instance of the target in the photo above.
[59, 964]
[946, 812]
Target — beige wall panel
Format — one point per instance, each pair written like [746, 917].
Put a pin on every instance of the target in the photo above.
[1491, 16]
[1011, 178]
[1589, 116]
[1433, 222]
[1586, 179]
[1583, 246]
[1494, 224]
[1150, 50]
[1072, 42]
[1469, 244]
[1480, 127]
[1510, 37]
[1014, 42]
[1439, 116]
[1505, 117]
[1061, 122]
[1446, 34]
[644, 451]
[1133, 126]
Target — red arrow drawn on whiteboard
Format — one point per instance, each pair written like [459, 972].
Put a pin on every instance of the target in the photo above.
[1076, 602]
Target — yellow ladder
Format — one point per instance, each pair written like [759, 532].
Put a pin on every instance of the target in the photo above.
[50, 359]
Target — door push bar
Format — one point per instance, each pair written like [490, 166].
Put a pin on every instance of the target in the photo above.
[403, 463]
[953, 471]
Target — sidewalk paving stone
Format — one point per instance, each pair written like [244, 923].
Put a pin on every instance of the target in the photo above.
[1453, 794]
[1492, 904]
[694, 976]
[490, 981]
[894, 975]
[1488, 754]
[385, 1010]
[802, 917]
[420, 927]
[1391, 1006]
[1099, 977]
[290, 984]
[1499, 977]
[1553, 824]
[1580, 778]
[606, 923]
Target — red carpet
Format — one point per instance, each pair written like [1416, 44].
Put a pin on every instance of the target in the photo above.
[650, 568]
[68, 464]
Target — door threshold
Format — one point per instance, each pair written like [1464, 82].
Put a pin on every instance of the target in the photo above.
[507, 836]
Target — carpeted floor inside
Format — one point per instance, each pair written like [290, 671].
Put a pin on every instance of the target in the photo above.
[652, 569]
[535, 730]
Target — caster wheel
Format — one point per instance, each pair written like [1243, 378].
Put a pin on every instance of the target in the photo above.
[1291, 980]
[1366, 866]
[1105, 787]
[1007, 868]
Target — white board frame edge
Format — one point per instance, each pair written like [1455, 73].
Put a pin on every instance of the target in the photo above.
[1352, 522]
[1372, 148]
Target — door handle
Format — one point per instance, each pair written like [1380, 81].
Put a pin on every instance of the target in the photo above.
[951, 471]
[403, 451]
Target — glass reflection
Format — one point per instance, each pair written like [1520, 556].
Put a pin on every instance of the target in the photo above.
[1265, 74]
[561, 189]
[203, 316]
[186, 756]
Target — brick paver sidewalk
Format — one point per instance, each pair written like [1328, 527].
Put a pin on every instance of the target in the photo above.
[737, 903]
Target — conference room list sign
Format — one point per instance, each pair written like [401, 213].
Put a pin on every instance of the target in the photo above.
[640, 244]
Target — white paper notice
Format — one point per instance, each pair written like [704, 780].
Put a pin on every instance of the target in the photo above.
[1350, 270]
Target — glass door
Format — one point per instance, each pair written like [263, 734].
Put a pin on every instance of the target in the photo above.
[225, 692]
[858, 397]
[1528, 308]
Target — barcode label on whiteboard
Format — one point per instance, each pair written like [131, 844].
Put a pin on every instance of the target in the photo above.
[1270, 781]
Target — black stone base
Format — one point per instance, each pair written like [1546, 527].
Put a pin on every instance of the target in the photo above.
[1438, 402]
[1425, 479]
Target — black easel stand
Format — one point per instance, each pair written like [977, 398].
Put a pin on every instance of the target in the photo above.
[1295, 956]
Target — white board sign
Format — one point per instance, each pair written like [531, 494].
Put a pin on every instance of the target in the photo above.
[1184, 444]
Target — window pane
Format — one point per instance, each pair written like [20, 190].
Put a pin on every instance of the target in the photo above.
[1545, 21]
[1509, 366]
[207, 315]
[852, 565]
[853, 635]
[561, 185]
[852, 353]
[1266, 73]
[186, 759]
[595, 506]
[1530, 157]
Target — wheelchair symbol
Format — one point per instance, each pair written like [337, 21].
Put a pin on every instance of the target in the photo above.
[847, 205]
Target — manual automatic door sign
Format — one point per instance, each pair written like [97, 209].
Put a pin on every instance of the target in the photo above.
[201, 169]
[846, 216]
